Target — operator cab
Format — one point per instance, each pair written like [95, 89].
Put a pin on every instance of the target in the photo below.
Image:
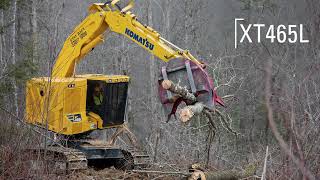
[107, 98]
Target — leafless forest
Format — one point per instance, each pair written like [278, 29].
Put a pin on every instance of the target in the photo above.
[271, 90]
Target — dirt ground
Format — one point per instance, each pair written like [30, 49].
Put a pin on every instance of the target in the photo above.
[113, 174]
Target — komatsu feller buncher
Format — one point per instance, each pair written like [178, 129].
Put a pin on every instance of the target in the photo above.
[63, 103]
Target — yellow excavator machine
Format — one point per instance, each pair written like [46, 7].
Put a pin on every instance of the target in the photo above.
[64, 104]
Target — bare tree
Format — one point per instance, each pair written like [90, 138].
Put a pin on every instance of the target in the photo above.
[14, 51]
[34, 29]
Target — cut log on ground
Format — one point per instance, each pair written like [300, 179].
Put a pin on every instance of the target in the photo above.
[226, 175]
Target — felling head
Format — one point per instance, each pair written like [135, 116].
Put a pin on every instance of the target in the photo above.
[190, 76]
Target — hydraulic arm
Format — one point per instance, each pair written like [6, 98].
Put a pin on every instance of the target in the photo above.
[109, 16]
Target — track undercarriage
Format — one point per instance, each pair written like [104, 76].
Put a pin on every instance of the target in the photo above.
[63, 159]
[80, 153]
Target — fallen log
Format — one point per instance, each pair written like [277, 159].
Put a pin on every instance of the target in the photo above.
[209, 175]
[162, 172]
[224, 175]
[227, 174]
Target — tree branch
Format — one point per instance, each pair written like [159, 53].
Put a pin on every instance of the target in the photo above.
[306, 172]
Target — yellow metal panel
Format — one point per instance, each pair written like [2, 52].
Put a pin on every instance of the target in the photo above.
[72, 100]
[76, 127]
[85, 36]
[64, 96]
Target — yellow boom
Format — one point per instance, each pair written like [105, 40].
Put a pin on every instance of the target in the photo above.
[105, 17]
